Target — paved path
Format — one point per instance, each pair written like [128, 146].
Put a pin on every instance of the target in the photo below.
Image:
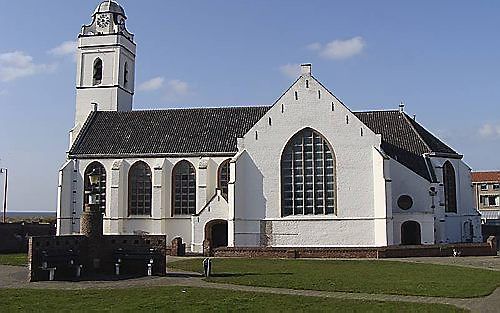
[16, 277]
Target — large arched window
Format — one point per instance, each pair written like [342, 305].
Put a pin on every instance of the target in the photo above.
[183, 189]
[97, 73]
[223, 178]
[139, 189]
[308, 175]
[450, 188]
[98, 189]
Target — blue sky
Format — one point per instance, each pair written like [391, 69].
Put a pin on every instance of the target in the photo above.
[440, 57]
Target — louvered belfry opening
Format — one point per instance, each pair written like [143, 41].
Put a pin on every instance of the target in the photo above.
[308, 175]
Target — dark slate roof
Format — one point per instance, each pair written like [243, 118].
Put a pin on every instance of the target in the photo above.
[404, 140]
[214, 131]
[173, 131]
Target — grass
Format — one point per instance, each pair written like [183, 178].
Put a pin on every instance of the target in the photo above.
[187, 299]
[18, 259]
[365, 276]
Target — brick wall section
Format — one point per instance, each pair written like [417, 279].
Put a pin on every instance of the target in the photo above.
[60, 245]
[296, 252]
[128, 248]
[14, 236]
[465, 249]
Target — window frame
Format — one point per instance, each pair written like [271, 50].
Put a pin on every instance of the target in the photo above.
[190, 196]
[226, 164]
[146, 184]
[101, 185]
[307, 178]
[450, 188]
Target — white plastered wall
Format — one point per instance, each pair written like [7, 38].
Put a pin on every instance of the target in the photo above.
[161, 221]
[455, 226]
[407, 182]
[257, 186]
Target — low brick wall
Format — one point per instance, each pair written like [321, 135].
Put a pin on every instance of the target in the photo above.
[54, 245]
[14, 236]
[464, 249]
[271, 252]
[133, 252]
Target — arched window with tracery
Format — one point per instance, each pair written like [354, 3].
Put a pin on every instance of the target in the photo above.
[139, 189]
[308, 175]
[183, 189]
[97, 72]
[99, 188]
[223, 178]
[450, 188]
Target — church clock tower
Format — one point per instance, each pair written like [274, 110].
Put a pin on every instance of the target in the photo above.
[105, 64]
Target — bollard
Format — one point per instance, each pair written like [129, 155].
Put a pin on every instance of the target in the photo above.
[117, 269]
[150, 267]
[207, 267]
[78, 271]
[52, 272]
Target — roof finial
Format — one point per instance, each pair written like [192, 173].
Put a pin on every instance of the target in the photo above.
[402, 107]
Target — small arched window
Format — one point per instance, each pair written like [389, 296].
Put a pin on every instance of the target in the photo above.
[223, 178]
[98, 189]
[308, 175]
[97, 74]
[450, 188]
[139, 189]
[125, 75]
[183, 189]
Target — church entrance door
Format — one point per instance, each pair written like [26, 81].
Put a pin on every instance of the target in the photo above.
[410, 233]
[216, 233]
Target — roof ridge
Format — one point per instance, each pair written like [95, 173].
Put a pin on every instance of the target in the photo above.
[198, 108]
[407, 118]
[377, 111]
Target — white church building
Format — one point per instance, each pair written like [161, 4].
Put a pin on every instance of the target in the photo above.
[305, 171]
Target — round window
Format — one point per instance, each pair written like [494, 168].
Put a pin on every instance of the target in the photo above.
[405, 202]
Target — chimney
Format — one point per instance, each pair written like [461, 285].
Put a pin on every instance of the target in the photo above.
[305, 68]
[401, 107]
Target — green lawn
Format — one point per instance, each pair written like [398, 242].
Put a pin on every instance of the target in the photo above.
[19, 259]
[367, 276]
[186, 299]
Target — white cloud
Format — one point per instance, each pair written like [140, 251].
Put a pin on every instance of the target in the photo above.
[18, 64]
[65, 48]
[178, 87]
[489, 130]
[152, 84]
[291, 70]
[315, 46]
[176, 90]
[339, 49]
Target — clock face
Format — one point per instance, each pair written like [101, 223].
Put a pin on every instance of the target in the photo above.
[103, 21]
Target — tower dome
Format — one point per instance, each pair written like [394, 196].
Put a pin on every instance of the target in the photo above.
[109, 6]
[108, 18]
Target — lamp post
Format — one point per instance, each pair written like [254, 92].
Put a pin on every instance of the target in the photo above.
[5, 171]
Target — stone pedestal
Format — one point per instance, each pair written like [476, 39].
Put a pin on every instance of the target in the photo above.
[91, 223]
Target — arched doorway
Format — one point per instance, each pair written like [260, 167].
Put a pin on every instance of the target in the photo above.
[410, 233]
[216, 233]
